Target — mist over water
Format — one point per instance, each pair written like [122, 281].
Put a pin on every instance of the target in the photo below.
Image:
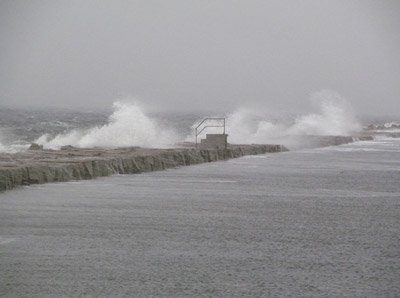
[333, 115]
[2, 148]
[312, 221]
[127, 126]
[130, 125]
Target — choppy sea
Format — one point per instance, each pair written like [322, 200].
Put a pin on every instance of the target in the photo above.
[308, 223]
[128, 124]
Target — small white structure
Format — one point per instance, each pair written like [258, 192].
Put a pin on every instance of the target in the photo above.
[215, 141]
[212, 140]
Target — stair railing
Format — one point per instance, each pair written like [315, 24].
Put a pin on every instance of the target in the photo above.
[197, 132]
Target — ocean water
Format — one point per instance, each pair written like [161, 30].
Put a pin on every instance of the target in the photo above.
[125, 125]
[128, 124]
[308, 223]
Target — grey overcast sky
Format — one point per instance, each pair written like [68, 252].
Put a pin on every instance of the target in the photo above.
[195, 54]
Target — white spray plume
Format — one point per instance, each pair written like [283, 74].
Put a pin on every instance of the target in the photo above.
[2, 148]
[334, 116]
[127, 126]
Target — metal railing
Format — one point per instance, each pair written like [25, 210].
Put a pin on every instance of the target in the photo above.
[197, 132]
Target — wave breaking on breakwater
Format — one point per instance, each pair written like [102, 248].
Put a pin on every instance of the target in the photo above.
[333, 116]
[129, 125]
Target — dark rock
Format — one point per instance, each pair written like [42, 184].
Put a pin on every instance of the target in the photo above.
[67, 147]
[35, 146]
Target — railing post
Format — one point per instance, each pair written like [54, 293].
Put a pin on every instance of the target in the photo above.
[196, 136]
[196, 132]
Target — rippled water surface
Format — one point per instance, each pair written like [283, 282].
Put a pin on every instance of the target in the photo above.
[315, 223]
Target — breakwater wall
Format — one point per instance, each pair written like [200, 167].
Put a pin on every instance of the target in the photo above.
[43, 166]
[69, 163]
[325, 141]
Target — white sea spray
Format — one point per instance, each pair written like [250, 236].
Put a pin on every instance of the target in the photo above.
[128, 125]
[333, 115]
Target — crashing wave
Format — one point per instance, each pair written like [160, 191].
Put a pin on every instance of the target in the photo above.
[127, 126]
[333, 117]
[386, 126]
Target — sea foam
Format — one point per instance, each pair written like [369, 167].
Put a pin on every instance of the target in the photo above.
[127, 126]
[333, 116]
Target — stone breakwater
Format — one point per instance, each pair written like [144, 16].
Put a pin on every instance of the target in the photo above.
[42, 166]
[325, 141]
